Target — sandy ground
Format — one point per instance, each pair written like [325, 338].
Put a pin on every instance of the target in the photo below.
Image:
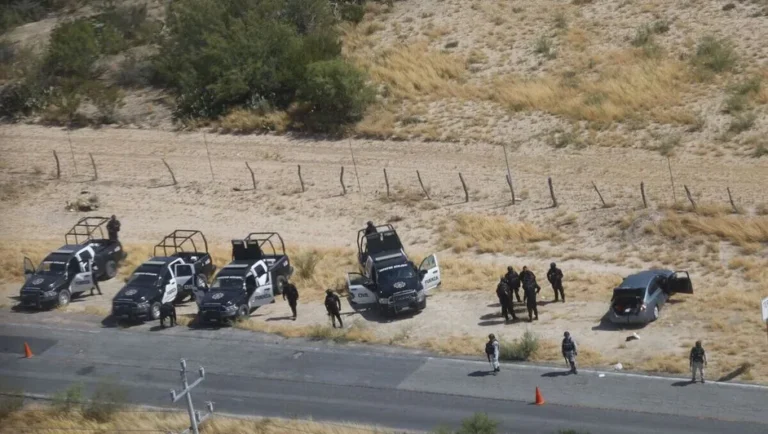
[133, 183]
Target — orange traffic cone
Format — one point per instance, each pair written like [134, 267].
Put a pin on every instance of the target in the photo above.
[27, 351]
[539, 398]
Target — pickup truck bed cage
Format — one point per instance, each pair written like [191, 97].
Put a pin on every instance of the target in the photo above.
[254, 245]
[177, 241]
[361, 234]
[84, 230]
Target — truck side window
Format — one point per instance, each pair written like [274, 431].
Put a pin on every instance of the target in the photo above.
[85, 256]
[260, 270]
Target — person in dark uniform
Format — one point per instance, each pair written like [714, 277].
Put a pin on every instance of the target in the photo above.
[555, 277]
[530, 290]
[291, 293]
[569, 351]
[513, 280]
[505, 299]
[167, 310]
[113, 227]
[370, 228]
[697, 361]
[333, 306]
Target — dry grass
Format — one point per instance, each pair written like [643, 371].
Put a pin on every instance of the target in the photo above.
[489, 234]
[243, 121]
[550, 351]
[58, 421]
[734, 228]
[670, 363]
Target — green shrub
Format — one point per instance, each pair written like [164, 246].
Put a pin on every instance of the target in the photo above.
[479, 423]
[22, 98]
[69, 399]
[334, 93]
[352, 12]
[73, 50]
[714, 55]
[305, 263]
[10, 404]
[643, 36]
[520, 349]
[107, 400]
[742, 122]
[543, 46]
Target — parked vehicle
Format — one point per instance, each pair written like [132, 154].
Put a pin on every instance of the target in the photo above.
[177, 269]
[640, 297]
[71, 269]
[259, 270]
[389, 280]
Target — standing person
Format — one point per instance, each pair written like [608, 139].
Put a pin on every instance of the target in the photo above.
[94, 278]
[113, 227]
[513, 279]
[333, 306]
[505, 299]
[697, 361]
[370, 228]
[570, 352]
[492, 351]
[555, 277]
[291, 293]
[167, 310]
[530, 290]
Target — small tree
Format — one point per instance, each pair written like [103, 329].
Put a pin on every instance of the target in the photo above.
[73, 50]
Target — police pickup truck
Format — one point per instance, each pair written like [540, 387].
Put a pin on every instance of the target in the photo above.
[71, 269]
[388, 279]
[257, 273]
[170, 275]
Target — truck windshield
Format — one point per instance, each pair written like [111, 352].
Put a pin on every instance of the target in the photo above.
[228, 283]
[52, 268]
[394, 275]
[144, 279]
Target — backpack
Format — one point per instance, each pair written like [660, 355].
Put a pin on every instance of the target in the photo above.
[489, 348]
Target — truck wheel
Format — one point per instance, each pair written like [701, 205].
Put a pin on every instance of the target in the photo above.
[64, 297]
[655, 313]
[280, 285]
[242, 312]
[110, 269]
[154, 311]
[423, 304]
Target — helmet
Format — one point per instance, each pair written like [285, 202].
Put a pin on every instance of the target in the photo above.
[567, 334]
[328, 291]
[370, 223]
[698, 343]
[113, 217]
[552, 265]
[491, 336]
[510, 268]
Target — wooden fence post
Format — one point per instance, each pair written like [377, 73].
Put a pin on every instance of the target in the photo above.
[552, 192]
[341, 180]
[730, 198]
[464, 185]
[301, 180]
[93, 163]
[511, 189]
[253, 177]
[599, 195]
[672, 180]
[58, 165]
[642, 193]
[426, 193]
[386, 180]
[690, 198]
[173, 177]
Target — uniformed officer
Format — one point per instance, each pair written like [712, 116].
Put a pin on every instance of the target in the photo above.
[570, 352]
[505, 299]
[492, 351]
[113, 227]
[291, 293]
[513, 280]
[697, 361]
[555, 277]
[333, 307]
[370, 228]
[93, 278]
[530, 290]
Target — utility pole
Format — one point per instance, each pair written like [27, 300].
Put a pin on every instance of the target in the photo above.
[194, 416]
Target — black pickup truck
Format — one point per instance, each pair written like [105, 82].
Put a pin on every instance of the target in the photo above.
[177, 269]
[389, 280]
[258, 271]
[71, 269]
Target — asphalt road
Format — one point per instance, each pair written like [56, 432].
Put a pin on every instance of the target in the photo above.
[255, 374]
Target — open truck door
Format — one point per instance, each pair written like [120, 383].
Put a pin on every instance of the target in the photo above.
[29, 267]
[429, 271]
[185, 275]
[680, 283]
[264, 293]
[361, 289]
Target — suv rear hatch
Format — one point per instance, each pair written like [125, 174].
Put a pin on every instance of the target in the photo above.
[627, 301]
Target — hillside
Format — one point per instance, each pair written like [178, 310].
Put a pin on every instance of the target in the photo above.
[664, 76]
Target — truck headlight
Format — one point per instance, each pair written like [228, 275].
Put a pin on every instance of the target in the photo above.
[384, 300]
[51, 293]
[143, 306]
[230, 308]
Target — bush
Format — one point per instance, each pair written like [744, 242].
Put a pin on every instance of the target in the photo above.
[742, 122]
[21, 98]
[73, 50]
[352, 12]
[520, 349]
[479, 423]
[334, 93]
[643, 36]
[107, 400]
[714, 55]
[10, 405]
[305, 263]
[68, 400]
